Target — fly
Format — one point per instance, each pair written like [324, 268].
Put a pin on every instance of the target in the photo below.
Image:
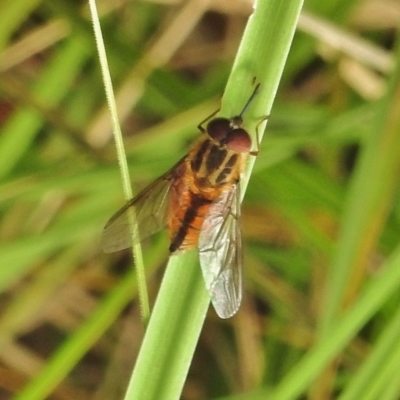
[199, 201]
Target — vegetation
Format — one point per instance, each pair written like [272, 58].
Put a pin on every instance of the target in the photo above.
[320, 217]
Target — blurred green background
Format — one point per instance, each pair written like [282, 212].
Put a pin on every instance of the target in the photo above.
[321, 216]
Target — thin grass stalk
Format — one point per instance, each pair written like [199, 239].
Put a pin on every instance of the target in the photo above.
[123, 164]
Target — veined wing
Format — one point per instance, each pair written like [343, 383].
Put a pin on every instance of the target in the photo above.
[220, 250]
[142, 216]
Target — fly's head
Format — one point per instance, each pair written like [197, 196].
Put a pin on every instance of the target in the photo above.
[230, 134]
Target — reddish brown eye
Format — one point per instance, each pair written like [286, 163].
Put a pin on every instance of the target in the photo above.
[239, 141]
[218, 129]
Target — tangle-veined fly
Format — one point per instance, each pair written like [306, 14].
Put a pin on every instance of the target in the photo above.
[199, 201]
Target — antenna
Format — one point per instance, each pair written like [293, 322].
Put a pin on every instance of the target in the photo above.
[246, 106]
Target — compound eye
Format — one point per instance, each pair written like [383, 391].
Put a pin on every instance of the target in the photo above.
[218, 129]
[239, 141]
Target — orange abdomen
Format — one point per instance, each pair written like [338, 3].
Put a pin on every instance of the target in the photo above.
[207, 171]
[188, 208]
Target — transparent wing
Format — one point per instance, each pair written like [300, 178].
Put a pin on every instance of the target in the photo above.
[141, 217]
[220, 250]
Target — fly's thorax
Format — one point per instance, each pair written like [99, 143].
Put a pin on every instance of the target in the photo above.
[215, 166]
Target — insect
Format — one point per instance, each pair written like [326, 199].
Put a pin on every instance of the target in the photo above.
[199, 201]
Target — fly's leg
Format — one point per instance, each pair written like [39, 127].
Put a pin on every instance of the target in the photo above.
[255, 153]
[200, 125]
